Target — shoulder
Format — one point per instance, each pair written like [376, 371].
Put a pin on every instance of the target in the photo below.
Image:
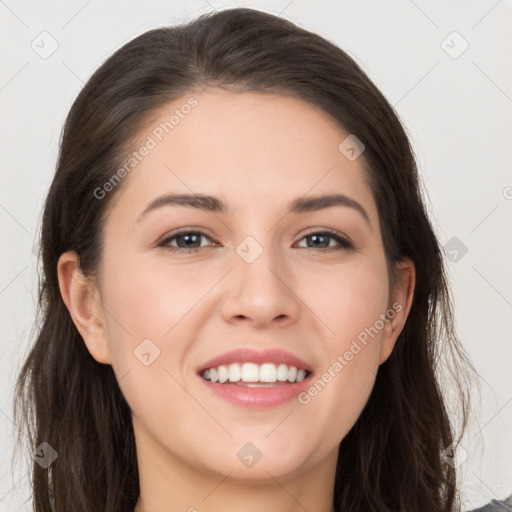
[496, 506]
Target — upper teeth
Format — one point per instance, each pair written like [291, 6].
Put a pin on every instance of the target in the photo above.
[252, 372]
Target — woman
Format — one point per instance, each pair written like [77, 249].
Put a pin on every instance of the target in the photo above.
[292, 360]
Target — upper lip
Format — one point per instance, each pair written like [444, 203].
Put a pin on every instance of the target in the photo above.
[249, 355]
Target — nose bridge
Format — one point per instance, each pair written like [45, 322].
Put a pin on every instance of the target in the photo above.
[257, 265]
[259, 288]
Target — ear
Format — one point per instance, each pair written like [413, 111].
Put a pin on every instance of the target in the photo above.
[83, 300]
[400, 302]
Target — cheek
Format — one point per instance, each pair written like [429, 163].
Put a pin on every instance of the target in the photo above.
[150, 310]
[339, 395]
[348, 300]
[149, 301]
[349, 304]
[342, 387]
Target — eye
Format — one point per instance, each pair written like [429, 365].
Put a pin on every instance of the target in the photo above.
[323, 237]
[189, 240]
[186, 240]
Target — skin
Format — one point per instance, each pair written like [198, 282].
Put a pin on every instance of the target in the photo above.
[258, 152]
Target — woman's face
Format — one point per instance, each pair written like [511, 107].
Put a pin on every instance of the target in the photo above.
[263, 276]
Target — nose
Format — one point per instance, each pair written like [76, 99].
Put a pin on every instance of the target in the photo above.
[260, 293]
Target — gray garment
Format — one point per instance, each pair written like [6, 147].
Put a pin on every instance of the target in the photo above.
[496, 506]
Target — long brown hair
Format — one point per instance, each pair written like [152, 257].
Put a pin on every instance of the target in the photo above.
[392, 459]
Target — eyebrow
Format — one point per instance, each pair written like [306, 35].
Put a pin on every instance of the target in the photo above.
[216, 205]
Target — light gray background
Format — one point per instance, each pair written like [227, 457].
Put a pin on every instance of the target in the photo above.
[456, 110]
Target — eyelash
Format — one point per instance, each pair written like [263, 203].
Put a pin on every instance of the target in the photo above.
[344, 243]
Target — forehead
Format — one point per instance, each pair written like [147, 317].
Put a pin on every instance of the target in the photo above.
[252, 149]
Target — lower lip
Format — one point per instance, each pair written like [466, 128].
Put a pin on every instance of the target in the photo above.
[256, 398]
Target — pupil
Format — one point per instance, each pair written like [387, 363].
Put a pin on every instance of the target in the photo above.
[315, 237]
[187, 237]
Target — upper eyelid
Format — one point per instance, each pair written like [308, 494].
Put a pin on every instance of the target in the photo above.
[185, 231]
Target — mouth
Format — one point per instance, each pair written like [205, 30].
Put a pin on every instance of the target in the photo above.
[256, 386]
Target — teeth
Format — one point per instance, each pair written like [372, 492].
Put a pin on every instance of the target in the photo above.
[235, 372]
[282, 372]
[250, 372]
[254, 373]
[223, 374]
[268, 372]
